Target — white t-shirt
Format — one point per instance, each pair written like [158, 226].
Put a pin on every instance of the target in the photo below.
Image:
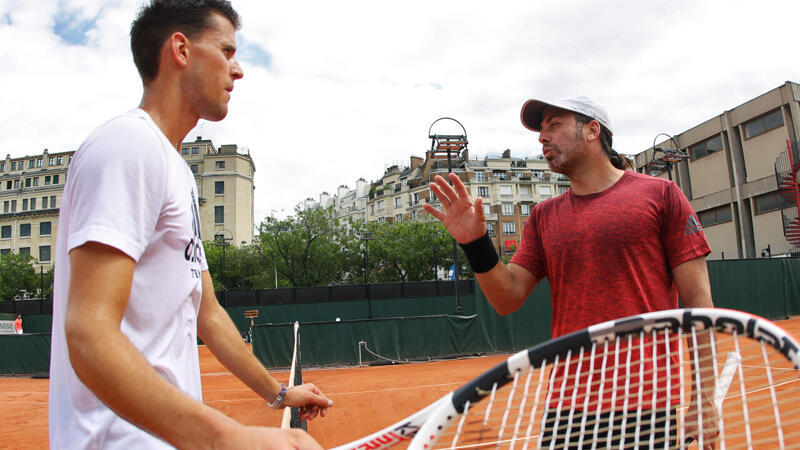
[128, 188]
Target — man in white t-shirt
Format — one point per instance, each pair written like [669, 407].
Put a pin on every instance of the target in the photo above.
[129, 261]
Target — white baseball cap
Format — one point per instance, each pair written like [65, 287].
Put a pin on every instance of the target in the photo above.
[533, 111]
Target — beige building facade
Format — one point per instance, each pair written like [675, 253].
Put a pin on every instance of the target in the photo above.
[509, 187]
[31, 188]
[729, 174]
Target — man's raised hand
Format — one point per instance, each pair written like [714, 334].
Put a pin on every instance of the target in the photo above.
[462, 217]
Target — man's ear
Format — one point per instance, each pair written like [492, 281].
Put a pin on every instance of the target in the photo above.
[594, 130]
[177, 49]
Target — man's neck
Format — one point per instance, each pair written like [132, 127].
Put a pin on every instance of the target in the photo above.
[595, 179]
[170, 114]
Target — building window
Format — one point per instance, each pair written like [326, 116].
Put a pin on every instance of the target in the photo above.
[24, 204]
[380, 205]
[36, 181]
[5, 232]
[5, 251]
[480, 176]
[39, 162]
[2, 167]
[193, 167]
[499, 174]
[220, 165]
[545, 191]
[13, 165]
[44, 202]
[184, 151]
[714, 216]
[381, 219]
[31, 163]
[486, 209]
[16, 184]
[763, 124]
[24, 230]
[525, 209]
[5, 206]
[705, 148]
[55, 179]
[398, 218]
[398, 202]
[60, 160]
[46, 180]
[51, 161]
[219, 214]
[525, 190]
[562, 189]
[195, 150]
[52, 201]
[483, 191]
[28, 181]
[508, 209]
[219, 187]
[33, 203]
[771, 202]
[414, 201]
[490, 229]
[13, 206]
[509, 228]
[25, 251]
[44, 253]
[8, 184]
[44, 228]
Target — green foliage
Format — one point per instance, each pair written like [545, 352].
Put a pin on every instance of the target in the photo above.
[313, 247]
[17, 276]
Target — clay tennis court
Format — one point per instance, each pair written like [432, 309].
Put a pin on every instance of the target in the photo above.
[366, 398]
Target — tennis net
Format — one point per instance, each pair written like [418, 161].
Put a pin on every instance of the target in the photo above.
[291, 416]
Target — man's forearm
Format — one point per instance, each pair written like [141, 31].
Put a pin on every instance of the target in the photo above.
[506, 287]
[129, 385]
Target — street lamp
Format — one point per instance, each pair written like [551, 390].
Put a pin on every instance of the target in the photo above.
[367, 236]
[221, 241]
[669, 156]
[446, 144]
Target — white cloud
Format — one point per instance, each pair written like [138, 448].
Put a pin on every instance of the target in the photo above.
[353, 86]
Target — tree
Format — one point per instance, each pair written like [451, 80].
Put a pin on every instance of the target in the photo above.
[17, 276]
[310, 248]
[410, 251]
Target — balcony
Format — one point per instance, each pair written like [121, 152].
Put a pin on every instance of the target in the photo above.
[492, 217]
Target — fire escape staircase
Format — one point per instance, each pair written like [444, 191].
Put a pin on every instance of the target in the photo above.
[787, 166]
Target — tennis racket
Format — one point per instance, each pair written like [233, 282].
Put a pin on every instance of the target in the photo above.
[656, 380]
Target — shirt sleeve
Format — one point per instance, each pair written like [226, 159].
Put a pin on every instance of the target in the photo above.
[529, 252]
[682, 232]
[117, 187]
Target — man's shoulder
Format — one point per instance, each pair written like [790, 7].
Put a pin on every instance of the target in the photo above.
[130, 135]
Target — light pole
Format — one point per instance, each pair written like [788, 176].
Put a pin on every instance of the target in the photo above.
[447, 144]
[670, 156]
[367, 236]
[221, 241]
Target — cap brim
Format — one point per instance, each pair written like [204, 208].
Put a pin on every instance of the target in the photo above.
[532, 113]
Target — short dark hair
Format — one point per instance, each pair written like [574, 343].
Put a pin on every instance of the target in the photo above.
[156, 21]
[617, 160]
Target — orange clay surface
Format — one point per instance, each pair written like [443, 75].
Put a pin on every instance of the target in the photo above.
[366, 398]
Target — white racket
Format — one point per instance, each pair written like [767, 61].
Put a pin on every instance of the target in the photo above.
[643, 381]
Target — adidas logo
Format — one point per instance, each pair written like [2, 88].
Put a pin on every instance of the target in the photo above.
[692, 226]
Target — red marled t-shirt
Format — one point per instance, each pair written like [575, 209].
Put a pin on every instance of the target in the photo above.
[608, 255]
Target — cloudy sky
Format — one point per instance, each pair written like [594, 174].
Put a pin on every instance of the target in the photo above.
[337, 90]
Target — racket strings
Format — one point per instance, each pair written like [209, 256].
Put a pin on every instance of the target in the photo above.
[637, 391]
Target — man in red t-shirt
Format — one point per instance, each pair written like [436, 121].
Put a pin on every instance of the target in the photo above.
[617, 243]
[18, 324]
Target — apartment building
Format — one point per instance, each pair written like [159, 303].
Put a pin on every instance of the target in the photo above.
[224, 178]
[509, 186]
[30, 194]
[728, 172]
[31, 188]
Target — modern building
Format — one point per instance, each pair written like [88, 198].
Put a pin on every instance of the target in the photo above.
[31, 188]
[729, 167]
